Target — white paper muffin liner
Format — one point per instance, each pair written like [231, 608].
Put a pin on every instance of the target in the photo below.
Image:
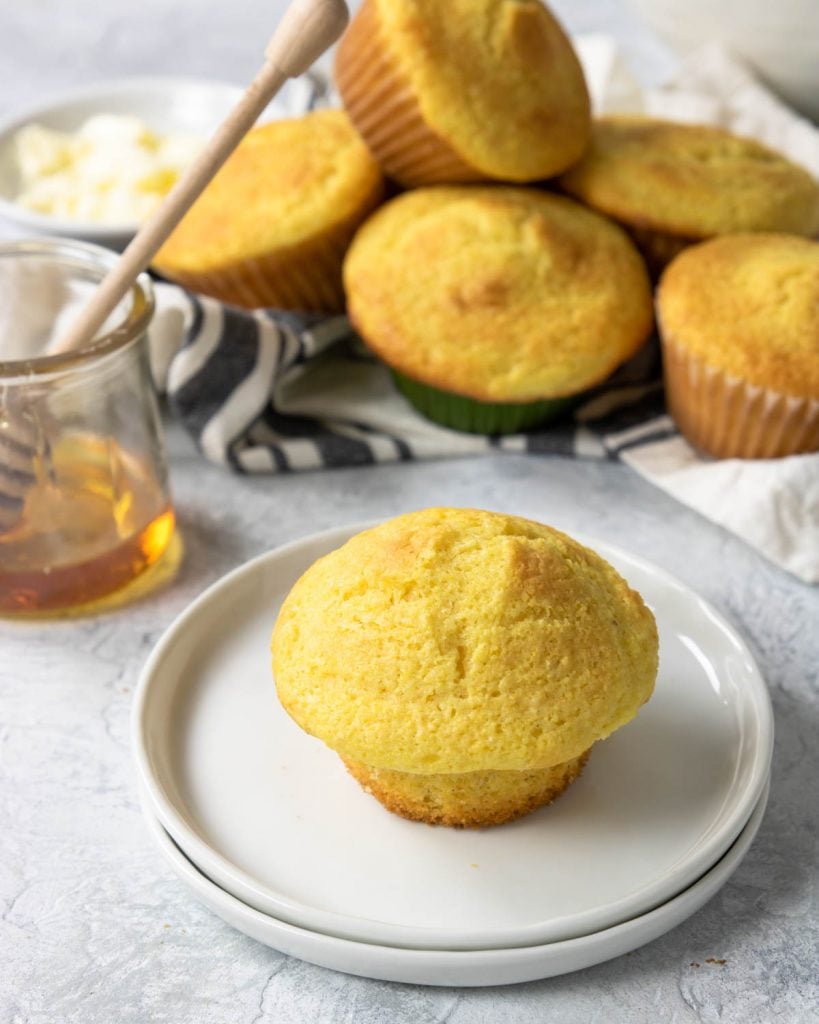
[726, 417]
[386, 113]
[306, 277]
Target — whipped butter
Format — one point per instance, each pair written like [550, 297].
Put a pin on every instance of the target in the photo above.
[113, 170]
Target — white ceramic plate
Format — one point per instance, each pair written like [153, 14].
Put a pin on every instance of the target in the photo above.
[443, 967]
[271, 816]
[166, 104]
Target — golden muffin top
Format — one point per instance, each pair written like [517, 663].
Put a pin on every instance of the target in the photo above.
[285, 183]
[749, 306]
[497, 79]
[497, 293]
[456, 640]
[691, 180]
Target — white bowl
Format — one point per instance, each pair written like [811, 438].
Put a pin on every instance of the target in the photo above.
[184, 105]
[779, 39]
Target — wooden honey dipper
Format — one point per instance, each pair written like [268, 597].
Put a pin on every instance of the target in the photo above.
[307, 29]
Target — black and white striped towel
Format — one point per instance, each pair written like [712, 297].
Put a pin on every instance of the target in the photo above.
[267, 391]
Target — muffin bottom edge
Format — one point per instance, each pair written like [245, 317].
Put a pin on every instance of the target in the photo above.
[468, 799]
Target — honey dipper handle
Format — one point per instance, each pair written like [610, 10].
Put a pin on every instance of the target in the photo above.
[307, 29]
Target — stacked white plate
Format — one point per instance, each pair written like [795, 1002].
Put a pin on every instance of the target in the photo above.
[267, 829]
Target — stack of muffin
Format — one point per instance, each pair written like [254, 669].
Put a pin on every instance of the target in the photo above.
[495, 298]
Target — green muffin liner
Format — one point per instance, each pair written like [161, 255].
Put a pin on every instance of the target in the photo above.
[475, 417]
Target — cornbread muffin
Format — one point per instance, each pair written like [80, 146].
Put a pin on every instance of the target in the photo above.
[495, 305]
[462, 663]
[462, 91]
[673, 184]
[739, 322]
[272, 227]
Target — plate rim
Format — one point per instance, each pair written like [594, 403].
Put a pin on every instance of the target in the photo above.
[461, 968]
[250, 891]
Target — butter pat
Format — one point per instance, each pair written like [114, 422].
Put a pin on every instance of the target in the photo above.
[114, 170]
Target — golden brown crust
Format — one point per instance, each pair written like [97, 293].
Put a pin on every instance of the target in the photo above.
[729, 419]
[748, 306]
[272, 227]
[464, 91]
[456, 640]
[693, 181]
[500, 294]
[470, 800]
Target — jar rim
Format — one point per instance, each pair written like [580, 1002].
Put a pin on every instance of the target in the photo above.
[83, 255]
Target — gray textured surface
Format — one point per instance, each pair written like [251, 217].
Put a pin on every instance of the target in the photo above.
[95, 930]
